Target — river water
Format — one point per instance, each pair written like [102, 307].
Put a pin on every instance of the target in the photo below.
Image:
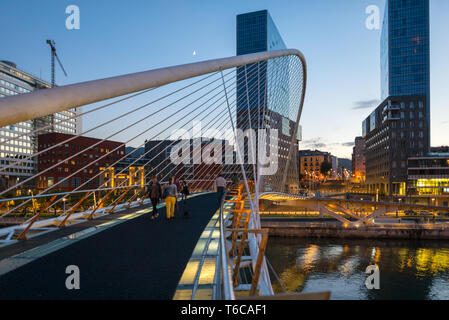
[407, 269]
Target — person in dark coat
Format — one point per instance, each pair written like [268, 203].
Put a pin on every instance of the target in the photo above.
[155, 195]
[184, 190]
[185, 193]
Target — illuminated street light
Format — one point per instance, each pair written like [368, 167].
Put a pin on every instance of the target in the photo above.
[63, 201]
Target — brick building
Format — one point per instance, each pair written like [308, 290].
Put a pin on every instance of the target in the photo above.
[80, 168]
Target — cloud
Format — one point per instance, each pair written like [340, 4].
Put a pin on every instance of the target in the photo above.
[320, 143]
[367, 104]
[314, 143]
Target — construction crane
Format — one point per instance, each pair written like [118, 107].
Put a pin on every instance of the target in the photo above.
[51, 43]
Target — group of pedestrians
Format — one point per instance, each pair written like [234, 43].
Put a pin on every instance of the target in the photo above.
[169, 194]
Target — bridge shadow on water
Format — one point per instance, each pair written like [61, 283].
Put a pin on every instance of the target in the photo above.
[137, 259]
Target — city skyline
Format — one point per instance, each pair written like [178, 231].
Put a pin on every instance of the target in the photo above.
[224, 151]
[351, 86]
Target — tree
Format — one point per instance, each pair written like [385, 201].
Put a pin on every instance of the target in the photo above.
[325, 167]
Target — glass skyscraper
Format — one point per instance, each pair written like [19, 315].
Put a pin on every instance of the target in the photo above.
[399, 128]
[405, 51]
[256, 32]
[265, 91]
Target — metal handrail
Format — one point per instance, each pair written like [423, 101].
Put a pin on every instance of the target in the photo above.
[66, 194]
[227, 278]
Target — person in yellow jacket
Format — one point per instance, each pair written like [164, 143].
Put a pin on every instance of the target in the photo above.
[170, 193]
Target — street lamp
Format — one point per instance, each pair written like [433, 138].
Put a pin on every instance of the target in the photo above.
[32, 199]
[63, 201]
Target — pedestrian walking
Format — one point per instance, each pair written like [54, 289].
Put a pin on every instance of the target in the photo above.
[170, 194]
[220, 186]
[155, 195]
[177, 183]
[185, 193]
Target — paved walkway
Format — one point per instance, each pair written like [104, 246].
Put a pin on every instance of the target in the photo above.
[138, 259]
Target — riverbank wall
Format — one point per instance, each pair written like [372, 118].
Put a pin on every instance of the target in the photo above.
[293, 228]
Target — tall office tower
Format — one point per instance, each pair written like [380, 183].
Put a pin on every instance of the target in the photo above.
[14, 81]
[399, 128]
[405, 49]
[260, 103]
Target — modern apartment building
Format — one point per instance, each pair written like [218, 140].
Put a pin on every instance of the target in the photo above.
[396, 130]
[17, 140]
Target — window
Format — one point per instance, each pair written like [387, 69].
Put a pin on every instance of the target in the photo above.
[76, 182]
[63, 184]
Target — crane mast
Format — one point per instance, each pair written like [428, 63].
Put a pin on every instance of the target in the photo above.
[54, 56]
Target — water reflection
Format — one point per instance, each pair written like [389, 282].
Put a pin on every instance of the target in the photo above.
[408, 269]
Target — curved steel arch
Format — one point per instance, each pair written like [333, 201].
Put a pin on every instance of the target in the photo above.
[40, 103]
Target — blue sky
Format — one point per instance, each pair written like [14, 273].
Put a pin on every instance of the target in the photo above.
[119, 37]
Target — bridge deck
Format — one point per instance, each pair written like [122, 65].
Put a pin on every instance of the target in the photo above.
[137, 259]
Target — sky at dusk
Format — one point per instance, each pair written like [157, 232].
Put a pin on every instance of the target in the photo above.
[120, 37]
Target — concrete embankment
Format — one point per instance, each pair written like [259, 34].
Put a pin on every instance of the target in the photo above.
[286, 227]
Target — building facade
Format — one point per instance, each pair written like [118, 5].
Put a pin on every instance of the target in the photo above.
[399, 127]
[405, 49]
[67, 175]
[310, 163]
[358, 160]
[17, 140]
[428, 179]
[260, 104]
[396, 130]
[199, 173]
